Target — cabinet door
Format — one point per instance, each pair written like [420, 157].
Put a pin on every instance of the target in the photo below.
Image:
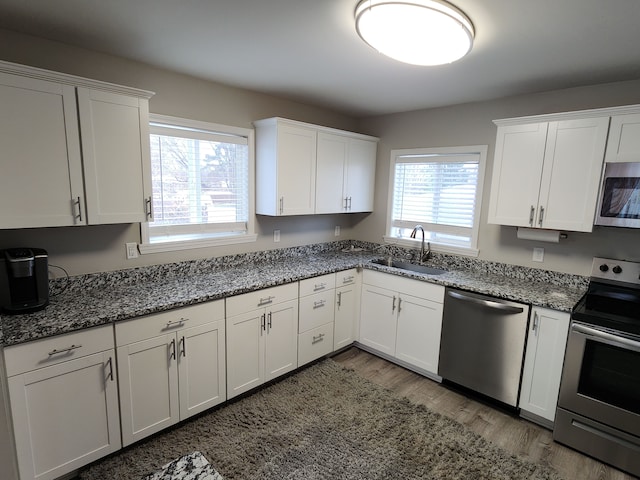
[378, 319]
[65, 416]
[115, 149]
[148, 386]
[360, 175]
[201, 368]
[544, 356]
[296, 164]
[345, 316]
[41, 181]
[571, 175]
[281, 355]
[517, 170]
[332, 158]
[418, 337]
[623, 144]
[245, 352]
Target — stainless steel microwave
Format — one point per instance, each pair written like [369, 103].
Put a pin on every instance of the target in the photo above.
[619, 203]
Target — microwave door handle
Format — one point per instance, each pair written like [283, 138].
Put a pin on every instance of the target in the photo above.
[623, 342]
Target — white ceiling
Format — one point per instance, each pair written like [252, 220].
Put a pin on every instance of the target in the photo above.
[309, 51]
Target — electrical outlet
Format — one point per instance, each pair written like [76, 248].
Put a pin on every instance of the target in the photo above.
[132, 250]
[538, 254]
[276, 236]
[337, 231]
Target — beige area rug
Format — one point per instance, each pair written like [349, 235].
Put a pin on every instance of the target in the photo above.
[325, 422]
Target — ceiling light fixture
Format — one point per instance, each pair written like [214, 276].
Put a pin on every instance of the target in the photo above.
[419, 32]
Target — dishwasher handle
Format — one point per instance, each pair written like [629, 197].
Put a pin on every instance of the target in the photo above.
[503, 307]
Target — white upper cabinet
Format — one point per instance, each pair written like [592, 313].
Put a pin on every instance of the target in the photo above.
[40, 156]
[303, 169]
[345, 174]
[74, 151]
[547, 174]
[115, 149]
[624, 139]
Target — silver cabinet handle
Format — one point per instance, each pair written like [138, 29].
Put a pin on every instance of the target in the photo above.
[172, 346]
[317, 338]
[399, 304]
[349, 203]
[110, 364]
[176, 323]
[348, 279]
[531, 214]
[263, 323]
[319, 286]
[79, 203]
[486, 303]
[183, 350]
[282, 204]
[55, 351]
[536, 322]
[269, 324]
[541, 215]
[346, 202]
[319, 303]
[339, 299]
[266, 301]
[393, 305]
[149, 208]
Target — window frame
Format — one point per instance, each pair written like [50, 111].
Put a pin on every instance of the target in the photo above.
[206, 239]
[472, 249]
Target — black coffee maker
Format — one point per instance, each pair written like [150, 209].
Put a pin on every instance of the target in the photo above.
[24, 280]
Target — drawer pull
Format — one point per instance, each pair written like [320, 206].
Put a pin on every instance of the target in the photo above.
[176, 323]
[317, 339]
[348, 279]
[319, 286]
[55, 351]
[319, 303]
[266, 300]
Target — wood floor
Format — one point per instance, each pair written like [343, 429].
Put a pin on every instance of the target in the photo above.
[506, 430]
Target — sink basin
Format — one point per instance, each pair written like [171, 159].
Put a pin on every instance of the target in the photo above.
[410, 266]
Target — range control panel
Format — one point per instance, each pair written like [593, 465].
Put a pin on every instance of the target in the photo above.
[616, 270]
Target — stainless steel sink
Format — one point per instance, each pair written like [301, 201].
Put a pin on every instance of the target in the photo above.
[410, 266]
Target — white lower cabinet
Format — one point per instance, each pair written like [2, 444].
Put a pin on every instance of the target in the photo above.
[64, 402]
[402, 319]
[347, 308]
[262, 337]
[546, 343]
[171, 365]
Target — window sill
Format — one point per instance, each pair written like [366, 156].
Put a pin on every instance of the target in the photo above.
[173, 246]
[436, 247]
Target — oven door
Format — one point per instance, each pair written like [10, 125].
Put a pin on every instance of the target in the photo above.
[601, 377]
[619, 202]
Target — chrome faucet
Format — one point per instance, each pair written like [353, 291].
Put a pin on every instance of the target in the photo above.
[423, 256]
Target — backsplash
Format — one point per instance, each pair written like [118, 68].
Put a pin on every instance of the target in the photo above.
[194, 267]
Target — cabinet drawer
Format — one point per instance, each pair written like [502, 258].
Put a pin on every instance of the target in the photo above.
[319, 284]
[346, 277]
[316, 310]
[137, 329]
[315, 343]
[261, 298]
[51, 351]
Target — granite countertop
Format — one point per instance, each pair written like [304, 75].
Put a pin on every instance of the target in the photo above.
[76, 309]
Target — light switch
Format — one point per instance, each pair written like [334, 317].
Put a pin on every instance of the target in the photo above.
[538, 254]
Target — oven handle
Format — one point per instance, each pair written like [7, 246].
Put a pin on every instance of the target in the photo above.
[593, 332]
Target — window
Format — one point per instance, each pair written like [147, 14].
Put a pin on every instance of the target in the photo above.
[440, 189]
[202, 181]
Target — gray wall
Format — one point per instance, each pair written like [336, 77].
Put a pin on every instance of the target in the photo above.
[101, 248]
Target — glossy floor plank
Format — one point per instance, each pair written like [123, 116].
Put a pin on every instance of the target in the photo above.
[504, 429]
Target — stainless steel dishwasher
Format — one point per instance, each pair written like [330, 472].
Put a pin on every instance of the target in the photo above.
[482, 344]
